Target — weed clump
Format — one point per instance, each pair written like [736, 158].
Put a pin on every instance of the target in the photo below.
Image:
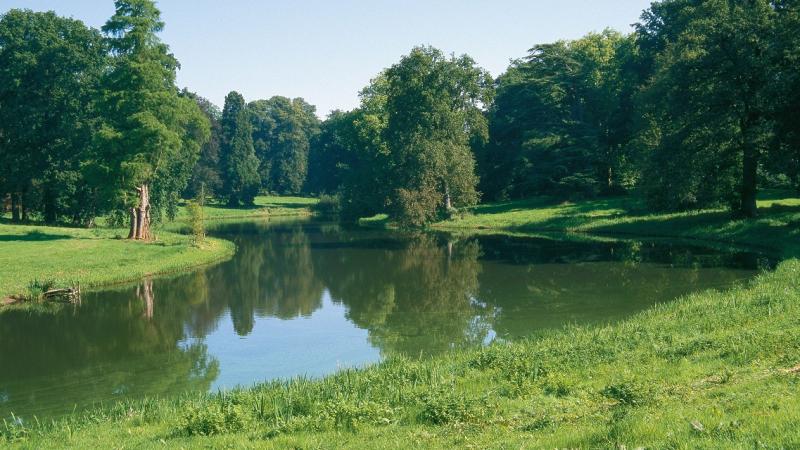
[37, 288]
[213, 419]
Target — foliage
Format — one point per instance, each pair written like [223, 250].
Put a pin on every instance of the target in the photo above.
[149, 134]
[328, 205]
[206, 173]
[561, 122]
[194, 211]
[282, 131]
[239, 164]
[708, 103]
[50, 68]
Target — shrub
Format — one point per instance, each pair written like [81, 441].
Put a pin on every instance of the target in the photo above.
[329, 205]
[196, 224]
[213, 419]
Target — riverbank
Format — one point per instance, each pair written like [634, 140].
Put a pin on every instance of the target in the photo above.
[777, 229]
[264, 206]
[711, 370]
[100, 256]
[94, 257]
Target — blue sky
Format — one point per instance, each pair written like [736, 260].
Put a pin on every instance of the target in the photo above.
[327, 50]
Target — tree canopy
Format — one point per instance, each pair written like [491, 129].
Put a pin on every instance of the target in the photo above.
[697, 107]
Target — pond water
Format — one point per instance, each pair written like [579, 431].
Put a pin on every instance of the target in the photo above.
[307, 298]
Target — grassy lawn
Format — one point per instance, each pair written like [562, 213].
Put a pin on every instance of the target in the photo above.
[265, 206]
[94, 257]
[710, 370]
[99, 256]
[777, 228]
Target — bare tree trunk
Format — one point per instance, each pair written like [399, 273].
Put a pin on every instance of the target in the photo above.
[15, 207]
[23, 211]
[134, 224]
[448, 203]
[50, 213]
[748, 206]
[140, 216]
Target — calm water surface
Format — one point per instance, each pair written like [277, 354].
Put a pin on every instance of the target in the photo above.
[306, 298]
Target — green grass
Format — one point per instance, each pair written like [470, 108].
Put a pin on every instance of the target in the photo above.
[94, 257]
[265, 206]
[716, 369]
[100, 256]
[777, 227]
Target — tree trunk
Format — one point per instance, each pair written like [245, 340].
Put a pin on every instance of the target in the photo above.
[750, 153]
[15, 207]
[140, 216]
[748, 207]
[448, 204]
[23, 211]
[50, 214]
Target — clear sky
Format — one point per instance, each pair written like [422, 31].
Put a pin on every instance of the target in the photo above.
[327, 50]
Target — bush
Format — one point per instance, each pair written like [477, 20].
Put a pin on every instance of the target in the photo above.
[329, 205]
[196, 223]
[213, 419]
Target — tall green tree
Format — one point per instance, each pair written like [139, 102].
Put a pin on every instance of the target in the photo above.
[49, 71]
[327, 159]
[283, 129]
[709, 103]
[206, 175]
[434, 112]
[238, 160]
[785, 159]
[150, 136]
[562, 121]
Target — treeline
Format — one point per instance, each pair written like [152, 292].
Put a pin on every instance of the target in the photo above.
[91, 121]
[698, 107]
[261, 146]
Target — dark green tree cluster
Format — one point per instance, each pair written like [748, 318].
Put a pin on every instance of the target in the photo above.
[283, 129]
[408, 149]
[561, 121]
[94, 124]
[262, 146]
[696, 108]
[50, 70]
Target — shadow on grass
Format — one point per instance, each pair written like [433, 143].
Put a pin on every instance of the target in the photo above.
[34, 236]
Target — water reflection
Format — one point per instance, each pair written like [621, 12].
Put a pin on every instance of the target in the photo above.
[307, 298]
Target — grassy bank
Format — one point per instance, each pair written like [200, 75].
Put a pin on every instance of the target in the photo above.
[94, 257]
[100, 256]
[265, 206]
[776, 229]
[711, 370]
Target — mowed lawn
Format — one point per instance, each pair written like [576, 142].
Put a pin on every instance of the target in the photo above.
[93, 257]
[777, 228]
[265, 206]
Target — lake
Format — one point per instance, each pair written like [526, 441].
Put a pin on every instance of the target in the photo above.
[306, 298]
